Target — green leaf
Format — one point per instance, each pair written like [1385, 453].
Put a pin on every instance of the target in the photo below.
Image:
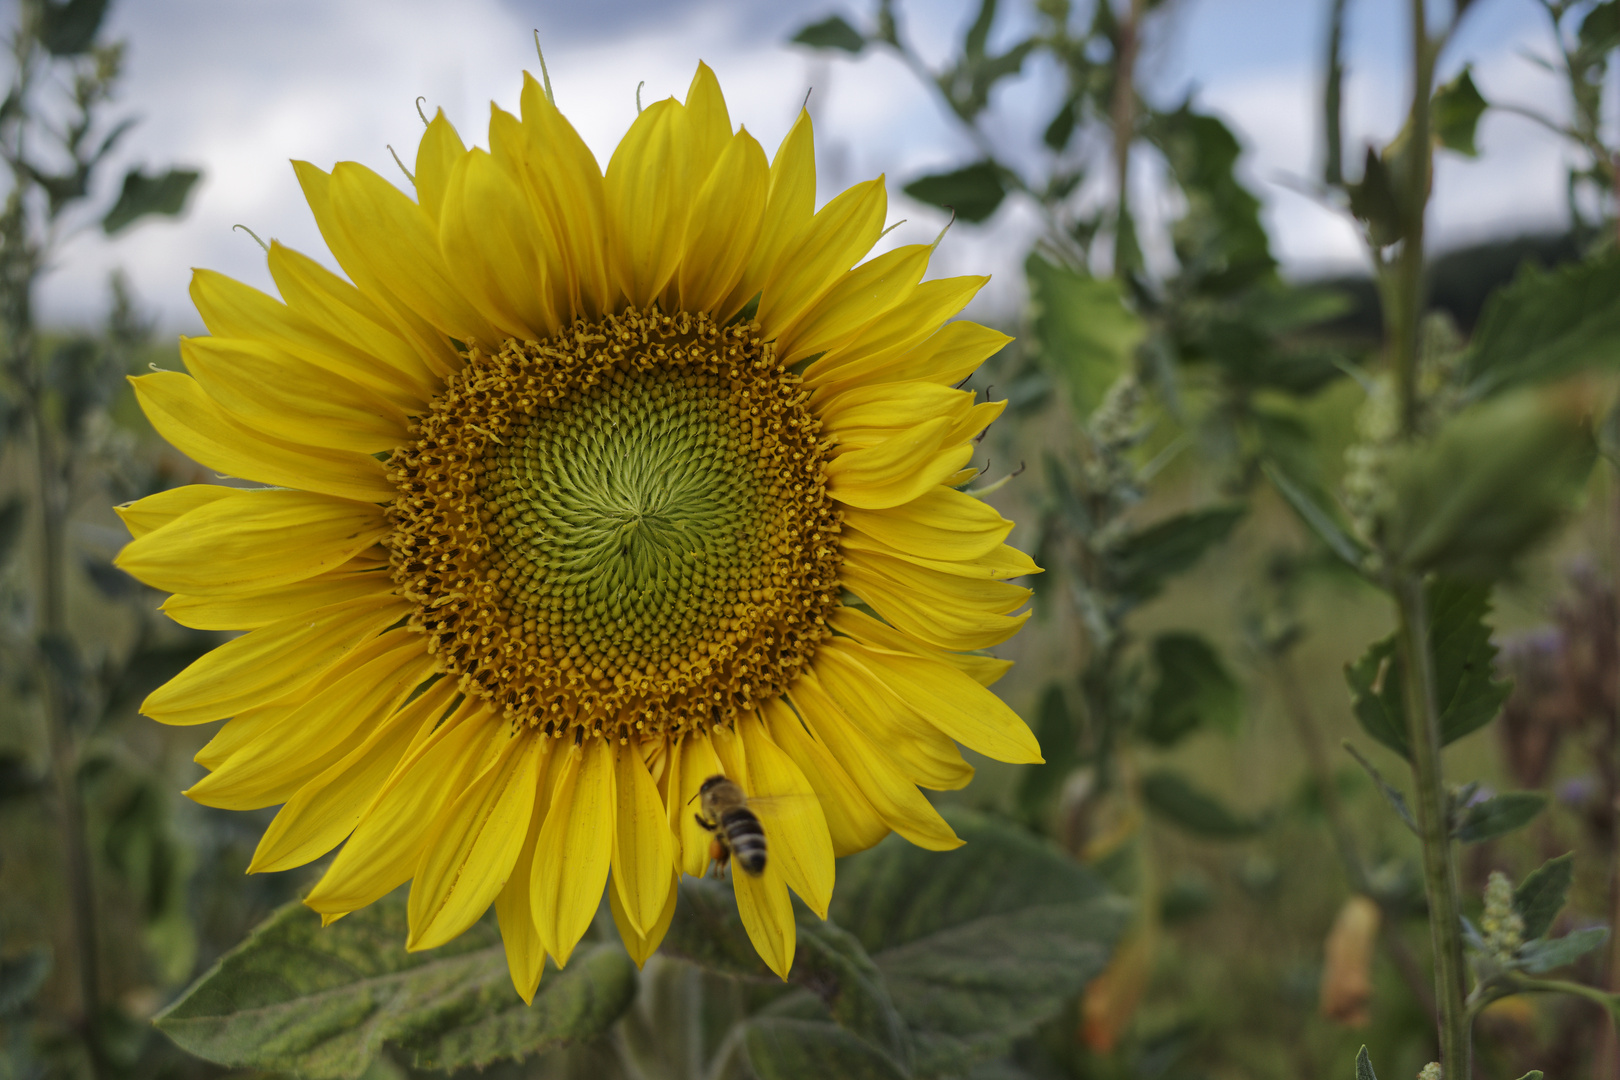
[1060, 743]
[708, 930]
[1467, 690]
[1499, 815]
[973, 192]
[1533, 1074]
[1084, 333]
[1392, 795]
[69, 29]
[783, 1049]
[143, 195]
[1061, 129]
[21, 977]
[1219, 240]
[1194, 688]
[1364, 1069]
[1140, 563]
[1547, 954]
[1173, 797]
[1540, 897]
[323, 1002]
[1546, 325]
[831, 33]
[1337, 538]
[13, 515]
[18, 780]
[1600, 30]
[1455, 112]
[1493, 480]
[1468, 695]
[980, 945]
[1373, 201]
[978, 32]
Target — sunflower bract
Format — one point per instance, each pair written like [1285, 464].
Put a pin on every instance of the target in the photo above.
[582, 487]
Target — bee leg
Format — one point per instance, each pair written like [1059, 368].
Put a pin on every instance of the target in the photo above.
[719, 855]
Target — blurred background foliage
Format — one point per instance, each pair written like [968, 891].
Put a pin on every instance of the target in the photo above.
[1205, 455]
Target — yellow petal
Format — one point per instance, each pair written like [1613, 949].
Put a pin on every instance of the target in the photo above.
[1000, 563]
[564, 180]
[327, 809]
[897, 470]
[466, 859]
[944, 622]
[851, 820]
[244, 728]
[941, 523]
[348, 705]
[795, 827]
[698, 762]
[639, 945]
[869, 766]
[939, 588]
[789, 203]
[514, 908]
[650, 189]
[270, 662]
[724, 226]
[907, 325]
[709, 122]
[231, 309]
[555, 282]
[946, 358]
[575, 848]
[488, 238]
[155, 511]
[196, 426]
[386, 845]
[643, 859]
[275, 392]
[396, 241]
[868, 415]
[834, 240]
[984, 670]
[260, 540]
[767, 915]
[857, 298]
[251, 610]
[436, 157]
[344, 312]
[949, 700]
[353, 255]
[919, 749]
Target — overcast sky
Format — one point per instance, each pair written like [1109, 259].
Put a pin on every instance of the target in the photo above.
[236, 88]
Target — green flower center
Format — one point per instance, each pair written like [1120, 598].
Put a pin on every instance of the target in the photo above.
[632, 515]
[623, 530]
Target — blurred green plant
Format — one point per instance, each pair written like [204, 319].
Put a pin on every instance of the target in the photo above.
[60, 592]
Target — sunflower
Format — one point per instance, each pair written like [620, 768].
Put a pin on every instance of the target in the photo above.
[584, 487]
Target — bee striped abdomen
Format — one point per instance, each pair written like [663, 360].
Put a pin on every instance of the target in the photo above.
[746, 838]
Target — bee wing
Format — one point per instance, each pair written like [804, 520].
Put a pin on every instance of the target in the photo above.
[780, 804]
[777, 812]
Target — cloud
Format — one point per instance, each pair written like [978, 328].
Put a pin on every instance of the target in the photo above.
[238, 89]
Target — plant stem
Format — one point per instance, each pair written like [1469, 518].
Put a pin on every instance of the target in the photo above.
[52, 502]
[1404, 307]
[1332, 98]
[1122, 118]
[1439, 861]
[1344, 837]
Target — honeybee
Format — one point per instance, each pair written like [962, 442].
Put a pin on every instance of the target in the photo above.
[736, 829]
